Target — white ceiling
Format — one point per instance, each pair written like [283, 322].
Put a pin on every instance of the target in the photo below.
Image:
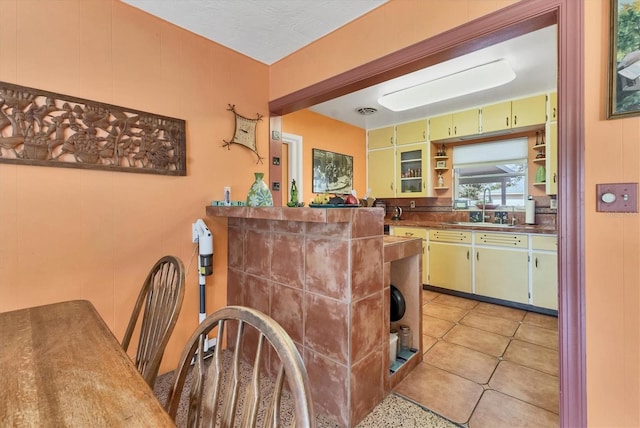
[268, 30]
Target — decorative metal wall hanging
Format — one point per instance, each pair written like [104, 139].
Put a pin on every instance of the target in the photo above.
[47, 129]
[245, 133]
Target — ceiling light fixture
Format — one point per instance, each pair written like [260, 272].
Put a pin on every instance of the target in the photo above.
[464, 82]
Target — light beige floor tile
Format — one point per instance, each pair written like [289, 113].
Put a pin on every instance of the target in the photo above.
[538, 335]
[465, 362]
[540, 320]
[455, 301]
[444, 393]
[483, 341]
[481, 321]
[533, 356]
[444, 312]
[428, 295]
[428, 342]
[435, 327]
[529, 385]
[498, 311]
[496, 410]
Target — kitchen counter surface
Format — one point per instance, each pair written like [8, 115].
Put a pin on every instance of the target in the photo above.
[429, 224]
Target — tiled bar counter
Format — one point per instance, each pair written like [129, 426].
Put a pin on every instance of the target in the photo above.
[324, 275]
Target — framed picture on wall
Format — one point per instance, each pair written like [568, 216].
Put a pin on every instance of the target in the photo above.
[624, 60]
[332, 172]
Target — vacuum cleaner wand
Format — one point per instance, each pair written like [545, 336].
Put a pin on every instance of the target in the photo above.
[202, 235]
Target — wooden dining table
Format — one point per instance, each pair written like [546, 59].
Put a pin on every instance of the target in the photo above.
[60, 366]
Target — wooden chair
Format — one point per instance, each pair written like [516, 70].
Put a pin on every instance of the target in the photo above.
[161, 296]
[214, 395]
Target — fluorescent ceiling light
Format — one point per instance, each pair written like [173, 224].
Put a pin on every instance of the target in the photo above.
[464, 82]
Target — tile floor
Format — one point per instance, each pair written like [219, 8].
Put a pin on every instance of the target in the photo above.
[486, 365]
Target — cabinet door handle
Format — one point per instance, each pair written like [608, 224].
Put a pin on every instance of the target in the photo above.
[554, 177]
[391, 140]
[467, 254]
[449, 130]
[477, 255]
[391, 186]
[515, 120]
[424, 135]
[408, 234]
[455, 130]
[507, 121]
[536, 262]
[554, 113]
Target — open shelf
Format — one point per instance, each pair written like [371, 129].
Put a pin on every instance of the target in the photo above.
[539, 147]
[441, 188]
[540, 160]
[539, 184]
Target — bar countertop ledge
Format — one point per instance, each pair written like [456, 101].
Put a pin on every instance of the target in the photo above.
[324, 274]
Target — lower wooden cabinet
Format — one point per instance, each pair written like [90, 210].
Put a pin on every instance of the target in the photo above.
[544, 271]
[502, 274]
[519, 268]
[415, 232]
[450, 260]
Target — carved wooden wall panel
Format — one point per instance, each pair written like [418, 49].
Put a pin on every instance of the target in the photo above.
[48, 129]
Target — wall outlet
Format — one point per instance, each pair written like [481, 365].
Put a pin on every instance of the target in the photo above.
[412, 204]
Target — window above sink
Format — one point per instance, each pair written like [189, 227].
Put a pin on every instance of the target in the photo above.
[490, 175]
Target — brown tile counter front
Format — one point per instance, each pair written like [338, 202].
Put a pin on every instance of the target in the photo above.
[322, 274]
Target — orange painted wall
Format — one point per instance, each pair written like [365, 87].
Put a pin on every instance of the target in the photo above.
[80, 234]
[612, 154]
[68, 234]
[320, 132]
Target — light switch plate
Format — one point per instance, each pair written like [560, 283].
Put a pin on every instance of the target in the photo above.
[617, 197]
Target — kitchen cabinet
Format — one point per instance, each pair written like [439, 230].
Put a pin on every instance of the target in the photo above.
[501, 266]
[459, 124]
[551, 162]
[411, 132]
[496, 117]
[381, 176]
[449, 260]
[381, 137]
[415, 232]
[514, 114]
[529, 111]
[544, 271]
[553, 107]
[412, 170]
[440, 127]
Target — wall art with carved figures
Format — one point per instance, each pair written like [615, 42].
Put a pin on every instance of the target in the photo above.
[48, 129]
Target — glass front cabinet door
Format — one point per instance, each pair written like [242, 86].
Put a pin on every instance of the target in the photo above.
[412, 170]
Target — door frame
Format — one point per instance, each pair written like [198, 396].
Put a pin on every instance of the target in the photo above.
[519, 18]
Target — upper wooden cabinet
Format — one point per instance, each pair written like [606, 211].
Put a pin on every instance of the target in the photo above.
[381, 137]
[514, 114]
[551, 162]
[381, 177]
[440, 127]
[411, 132]
[553, 106]
[453, 125]
[496, 117]
[529, 111]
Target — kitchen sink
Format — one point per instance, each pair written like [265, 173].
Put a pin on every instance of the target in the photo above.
[478, 224]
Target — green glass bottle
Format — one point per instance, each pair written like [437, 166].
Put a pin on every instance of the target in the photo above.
[294, 192]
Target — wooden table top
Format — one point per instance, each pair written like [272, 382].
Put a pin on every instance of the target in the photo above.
[61, 366]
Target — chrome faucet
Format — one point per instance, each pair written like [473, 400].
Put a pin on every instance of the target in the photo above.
[484, 203]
